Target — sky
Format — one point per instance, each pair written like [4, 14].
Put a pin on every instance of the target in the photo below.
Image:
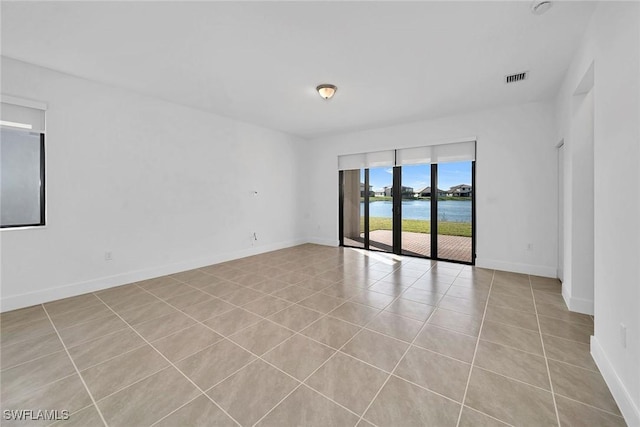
[419, 176]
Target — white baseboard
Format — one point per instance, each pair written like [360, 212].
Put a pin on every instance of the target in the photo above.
[628, 407]
[535, 270]
[51, 294]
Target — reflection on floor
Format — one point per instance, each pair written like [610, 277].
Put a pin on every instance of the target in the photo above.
[310, 335]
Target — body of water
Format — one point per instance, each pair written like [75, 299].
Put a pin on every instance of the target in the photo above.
[448, 210]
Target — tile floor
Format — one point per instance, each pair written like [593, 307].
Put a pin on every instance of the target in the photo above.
[310, 336]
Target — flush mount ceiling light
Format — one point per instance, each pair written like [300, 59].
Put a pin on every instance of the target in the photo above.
[538, 7]
[326, 91]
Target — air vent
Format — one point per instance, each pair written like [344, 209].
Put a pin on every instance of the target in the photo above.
[516, 77]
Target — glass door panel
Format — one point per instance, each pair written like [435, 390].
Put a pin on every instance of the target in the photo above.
[416, 210]
[381, 209]
[455, 211]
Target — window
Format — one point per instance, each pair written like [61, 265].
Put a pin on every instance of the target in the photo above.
[22, 163]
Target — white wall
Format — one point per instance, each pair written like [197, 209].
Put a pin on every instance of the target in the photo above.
[612, 44]
[514, 151]
[162, 186]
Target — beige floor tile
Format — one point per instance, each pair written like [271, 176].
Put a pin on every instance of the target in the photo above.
[67, 393]
[70, 318]
[232, 321]
[331, 331]
[447, 342]
[546, 284]
[213, 364]
[344, 290]
[458, 322]
[390, 289]
[513, 363]
[347, 381]
[12, 318]
[146, 312]
[567, 330]
[569, 352]
[186, 342]
[155, 329]
[560, 312]
[295, 317]
[96, 351]
[512, 317]
[149, 400]
[187, 299]
[463, 305]
[376, 349]
[510, 336]
[410, 309]
[249, 280]
[315, 283]
[467, 282]
[66, 305]
[25, 331]
[185, 276]
[200, 412]
[121, 371]
[170, 290]
[438, 373]
[90, 330]
[270, 286]
[472, 418]
[582, 385]
[156, 282]
[512, 291]
[548, 298]
[299, 356]
[510, 401]
[432, 286]
[403, 404]
[305, 407]
[261, 337]
[204, 281]
[112, 296]
[267, 305]
[221, 289]
[355, 313]
[497, 299]
[242, 296]
[25, 378]
[249, 394]
[321, 302]
[208, 309]
[132, 301]
[11, 355]
[294, 293]
[575, 414]
[372, 299]
[474, 294]
[396, 326]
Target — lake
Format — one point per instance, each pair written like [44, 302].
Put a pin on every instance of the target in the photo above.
[448, 210]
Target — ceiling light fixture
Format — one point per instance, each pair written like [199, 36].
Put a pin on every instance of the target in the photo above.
[538, 7]
[326, 91]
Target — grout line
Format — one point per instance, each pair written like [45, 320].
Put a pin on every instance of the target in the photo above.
[475, 352]
[177, 409]
[591, 406]
[75, 367]
[544, 353]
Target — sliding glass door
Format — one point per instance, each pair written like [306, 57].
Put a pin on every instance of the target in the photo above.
[424, 210]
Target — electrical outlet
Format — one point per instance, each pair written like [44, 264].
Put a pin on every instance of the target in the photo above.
[623, 335]
[108, 256]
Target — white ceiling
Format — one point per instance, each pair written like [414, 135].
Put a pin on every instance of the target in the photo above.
[259, 62]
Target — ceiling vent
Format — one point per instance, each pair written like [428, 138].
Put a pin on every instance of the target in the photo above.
[512, 78]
